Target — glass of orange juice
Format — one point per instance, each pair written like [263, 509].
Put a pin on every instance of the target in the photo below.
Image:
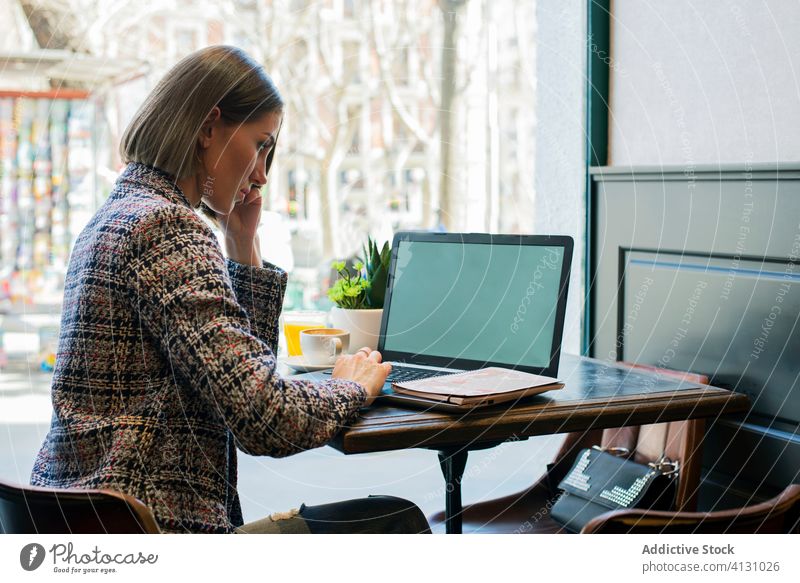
[295, 321]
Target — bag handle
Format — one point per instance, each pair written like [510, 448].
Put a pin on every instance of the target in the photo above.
[615, 451]
[664, 462]
[666, 466]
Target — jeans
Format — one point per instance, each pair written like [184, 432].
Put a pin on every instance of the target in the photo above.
[371, 515]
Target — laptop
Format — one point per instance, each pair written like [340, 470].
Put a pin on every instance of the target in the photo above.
[464, 301]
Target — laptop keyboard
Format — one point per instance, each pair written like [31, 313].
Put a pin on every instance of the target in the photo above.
[407, 373]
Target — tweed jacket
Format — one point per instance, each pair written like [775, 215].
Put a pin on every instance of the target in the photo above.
[166, 364]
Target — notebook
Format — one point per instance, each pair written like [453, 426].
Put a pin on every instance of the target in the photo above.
[478, 388]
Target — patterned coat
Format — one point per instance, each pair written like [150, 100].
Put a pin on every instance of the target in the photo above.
[166, 364]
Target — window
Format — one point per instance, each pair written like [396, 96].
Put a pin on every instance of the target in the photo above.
[372, 94]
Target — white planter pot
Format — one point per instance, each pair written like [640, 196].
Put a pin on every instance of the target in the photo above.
[364, 326]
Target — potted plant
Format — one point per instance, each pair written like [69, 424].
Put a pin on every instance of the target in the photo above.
[359, 295]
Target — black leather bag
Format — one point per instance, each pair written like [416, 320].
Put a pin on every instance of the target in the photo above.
[599, 482]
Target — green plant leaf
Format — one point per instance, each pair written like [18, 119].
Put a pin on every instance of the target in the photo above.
[386, 255]
[366, 288]
[378, 275]
[377, 292]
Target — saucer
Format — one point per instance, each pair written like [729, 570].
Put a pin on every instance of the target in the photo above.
[299, 364]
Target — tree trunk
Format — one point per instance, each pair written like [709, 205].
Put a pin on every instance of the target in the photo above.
[429, 187]
[492, 203]
[328, 208]
[450, 13]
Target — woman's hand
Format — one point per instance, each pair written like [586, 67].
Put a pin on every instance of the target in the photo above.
[365, 368]
[240, 228]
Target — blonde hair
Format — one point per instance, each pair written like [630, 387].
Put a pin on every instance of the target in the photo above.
[164, 131]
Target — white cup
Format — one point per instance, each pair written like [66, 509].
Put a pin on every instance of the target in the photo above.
[324, 345]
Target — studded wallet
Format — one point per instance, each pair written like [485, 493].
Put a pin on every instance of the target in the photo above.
[599, 482]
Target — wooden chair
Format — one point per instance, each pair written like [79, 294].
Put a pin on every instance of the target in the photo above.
[33, 510]
[529, 511]
[779, 515]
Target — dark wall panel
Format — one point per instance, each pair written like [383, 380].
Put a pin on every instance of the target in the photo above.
[699, 271]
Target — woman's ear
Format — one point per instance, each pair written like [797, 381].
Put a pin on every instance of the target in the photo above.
[210, 126]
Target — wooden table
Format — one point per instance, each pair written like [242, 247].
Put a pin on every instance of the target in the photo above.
[596, 395]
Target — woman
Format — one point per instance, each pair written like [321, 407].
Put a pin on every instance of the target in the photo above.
[166, 359]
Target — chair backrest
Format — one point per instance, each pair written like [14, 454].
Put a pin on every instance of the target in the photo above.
[779, 515]
[680, 441]
[34, 510]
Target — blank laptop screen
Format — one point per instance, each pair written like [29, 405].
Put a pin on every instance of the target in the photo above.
[489, 303]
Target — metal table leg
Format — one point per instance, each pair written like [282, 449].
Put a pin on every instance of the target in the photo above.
[453, 463]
